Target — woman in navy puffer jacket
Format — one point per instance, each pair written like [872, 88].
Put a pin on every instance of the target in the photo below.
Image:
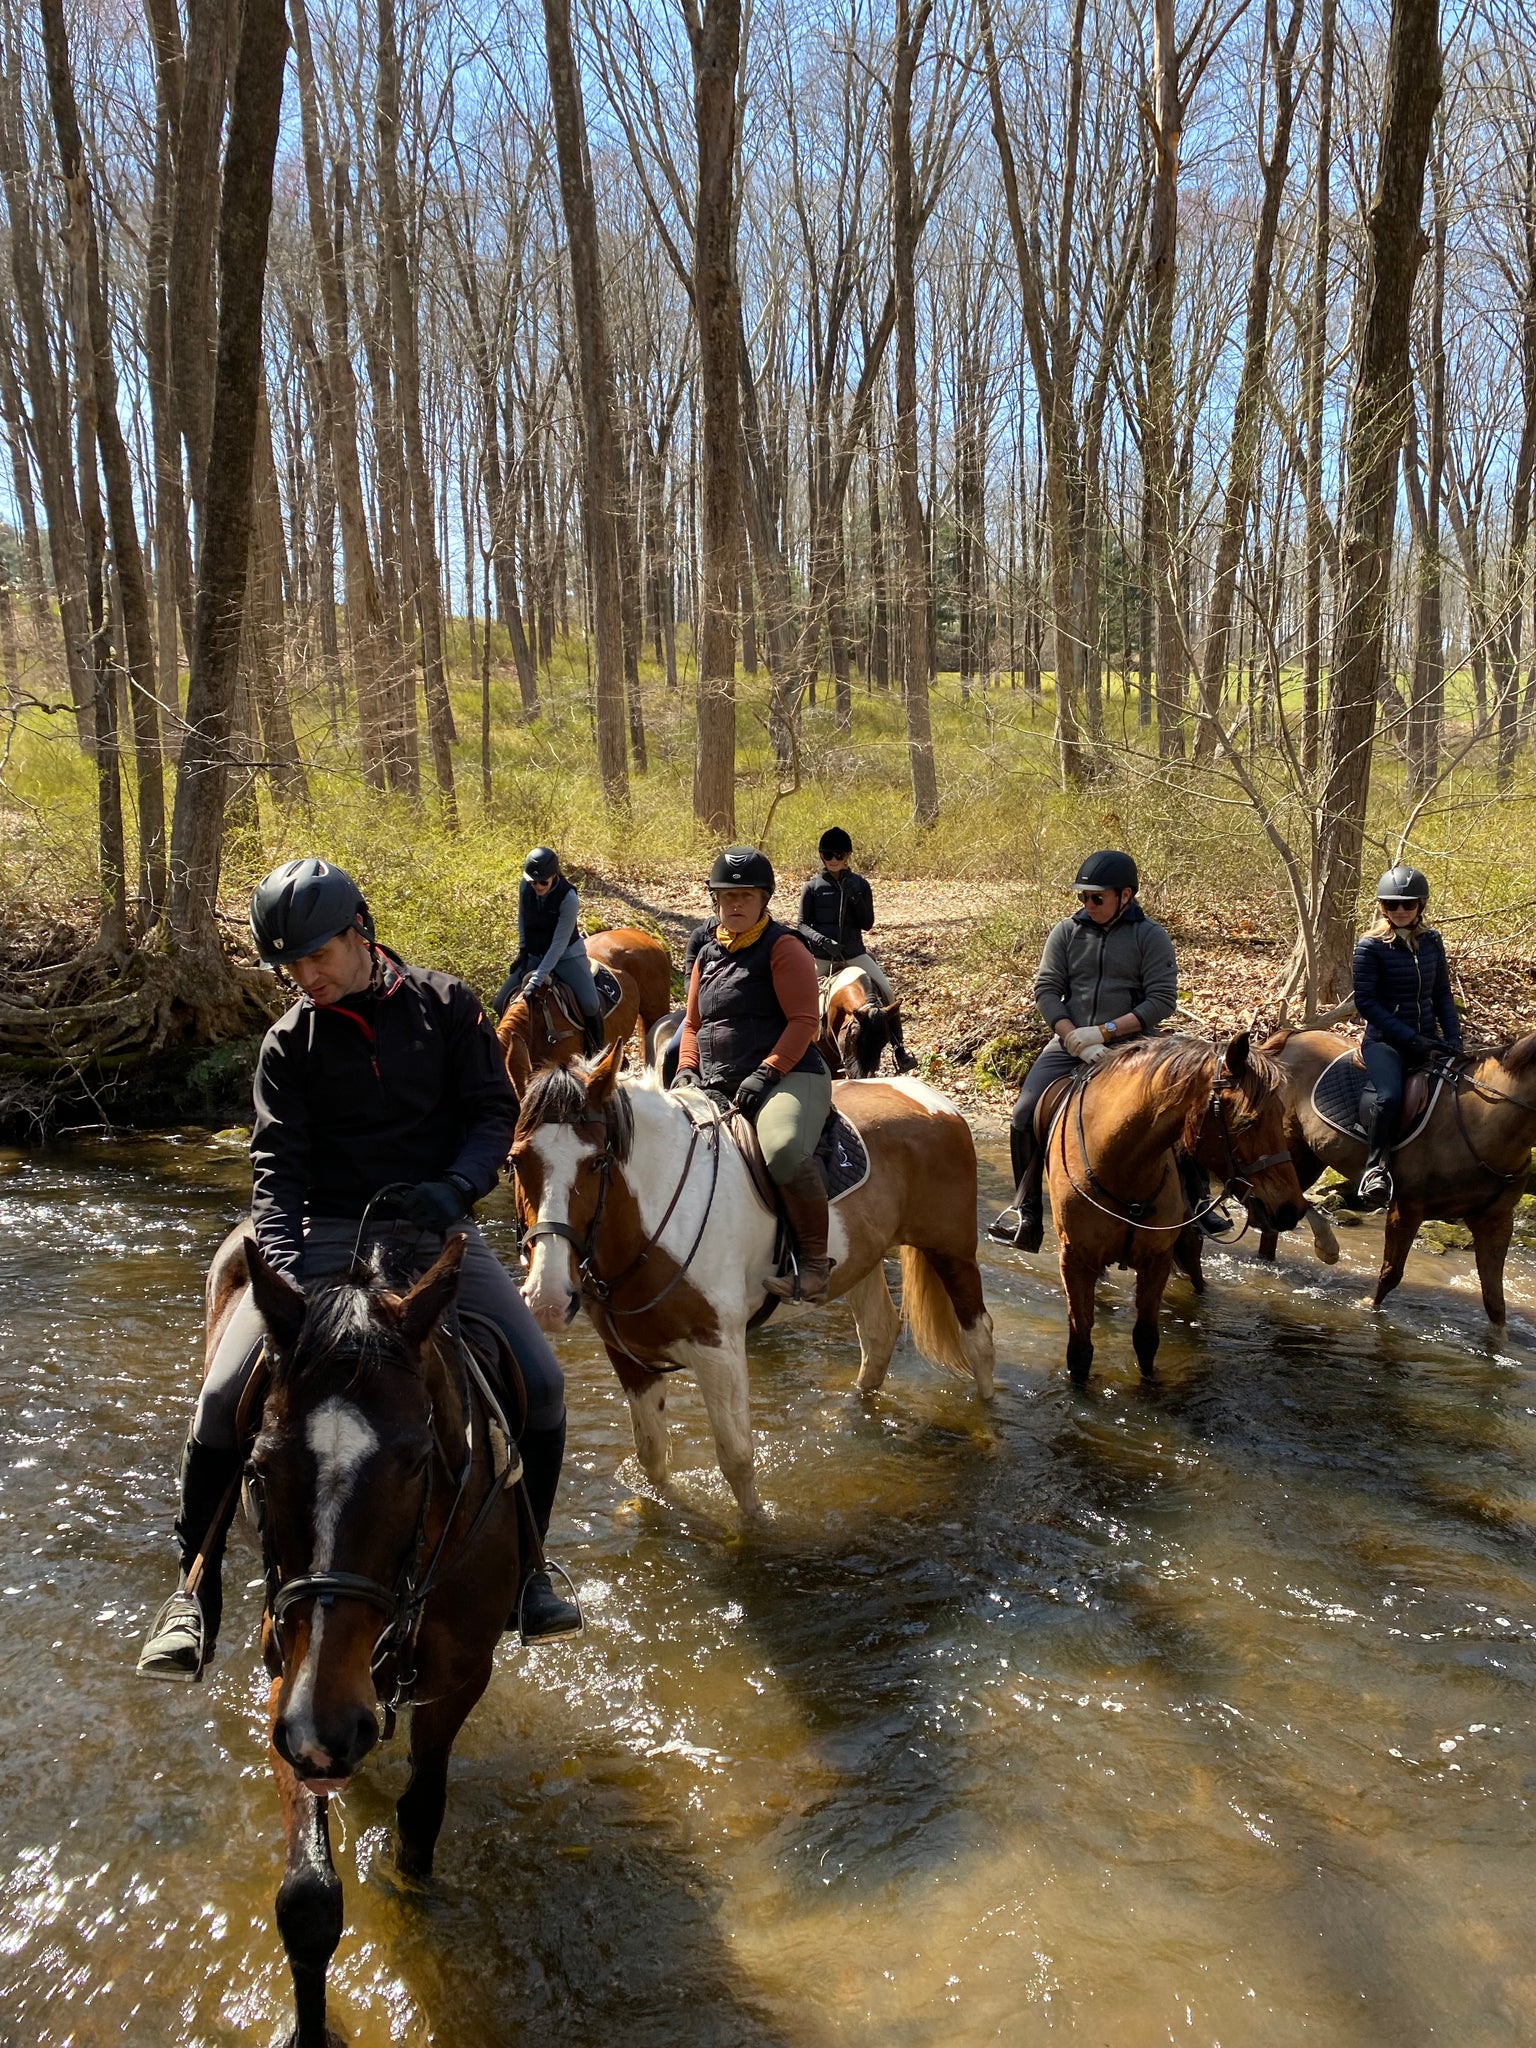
[1403, 991]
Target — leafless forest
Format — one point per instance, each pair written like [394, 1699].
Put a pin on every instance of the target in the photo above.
[1175, 361]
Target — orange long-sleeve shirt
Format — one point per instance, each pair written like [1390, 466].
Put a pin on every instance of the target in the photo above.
[795, 985]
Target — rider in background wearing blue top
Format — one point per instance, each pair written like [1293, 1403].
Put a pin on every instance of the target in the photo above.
[1403, 991]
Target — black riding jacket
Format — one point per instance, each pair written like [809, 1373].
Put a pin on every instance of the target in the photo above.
[405, 1083]
[835, 913]
[1404, 992]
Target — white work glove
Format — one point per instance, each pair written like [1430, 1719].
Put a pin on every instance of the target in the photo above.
[1090, 1053]
[1079, 1040]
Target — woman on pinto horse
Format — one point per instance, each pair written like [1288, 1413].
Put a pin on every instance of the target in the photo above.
[837, 907]
[380, 1076]
[1107, 975]
[548, 943]
[1403, 991]
[749, 1034]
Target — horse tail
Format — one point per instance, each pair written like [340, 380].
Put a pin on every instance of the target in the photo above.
[930, 1314]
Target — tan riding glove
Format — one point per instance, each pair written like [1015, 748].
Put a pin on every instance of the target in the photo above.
[1085, 1042]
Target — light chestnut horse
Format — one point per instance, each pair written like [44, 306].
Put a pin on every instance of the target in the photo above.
[644, 1212]
[539, 1033]
[855, 1025]
[1468, 1165]
[1110, 1164]
[647, 962]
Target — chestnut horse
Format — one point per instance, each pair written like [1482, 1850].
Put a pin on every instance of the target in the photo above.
[392, 1543]
[643, 1211]
[537, 1032]
[1468, 1165]
[855, 1025]
[647, 962]
[1116, 1195]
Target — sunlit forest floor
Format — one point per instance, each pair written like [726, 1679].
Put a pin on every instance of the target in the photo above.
[963, 907]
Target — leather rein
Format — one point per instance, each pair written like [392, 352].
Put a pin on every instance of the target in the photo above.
[596, 1288]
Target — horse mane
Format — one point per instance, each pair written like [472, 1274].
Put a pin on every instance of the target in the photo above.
[339, 1323]
[1519, 1056]
[1170, 1065]
[558, 1095]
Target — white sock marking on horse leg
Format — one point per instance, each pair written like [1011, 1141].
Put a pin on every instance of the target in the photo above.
[648, 1419]
[722, 1377]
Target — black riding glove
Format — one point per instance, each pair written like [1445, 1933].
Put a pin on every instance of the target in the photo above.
[436, 1204]
[1423, 1047]
[755, 1091]
[687, 1077]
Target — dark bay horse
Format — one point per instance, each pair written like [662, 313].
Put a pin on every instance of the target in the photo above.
[1468, 1165]
[644, 1212]
[392, 1542]
[1116, 1195]
[855, 1026]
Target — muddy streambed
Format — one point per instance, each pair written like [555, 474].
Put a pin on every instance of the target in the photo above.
[1199, 1712]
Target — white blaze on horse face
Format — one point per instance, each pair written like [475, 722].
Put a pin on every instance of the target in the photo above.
[548, 1288]
[340, 1439]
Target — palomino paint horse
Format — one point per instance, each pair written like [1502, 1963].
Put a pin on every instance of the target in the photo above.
[649, 1220]
[1468, 1165]
[855, 1025]
[392, 1543]
[539, 1032]
[1115, 1190]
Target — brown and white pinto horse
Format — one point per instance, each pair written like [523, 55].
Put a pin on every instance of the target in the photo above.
[649, 1220]
[1468, 1165]
[392, 1543]
[1110, 1163]
[855, 1025]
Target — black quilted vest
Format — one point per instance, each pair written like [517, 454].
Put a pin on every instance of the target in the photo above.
[740, 1020]
[540, 914]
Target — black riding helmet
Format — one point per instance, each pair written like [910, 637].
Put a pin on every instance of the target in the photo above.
[1403, 885]
[302, 904]
[741, 867]
[542, 865]
[834, 844]
[1108, 870]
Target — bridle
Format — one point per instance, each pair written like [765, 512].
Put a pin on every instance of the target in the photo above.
[1457, 1070]
[597, 1288]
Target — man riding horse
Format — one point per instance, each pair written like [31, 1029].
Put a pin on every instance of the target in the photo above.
[382, 1076]
[837, 907]
[548, 943]
[750, 1034]
[1107, 974]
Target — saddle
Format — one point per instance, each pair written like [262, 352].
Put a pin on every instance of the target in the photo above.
[561, 1006]
[1339, 1090]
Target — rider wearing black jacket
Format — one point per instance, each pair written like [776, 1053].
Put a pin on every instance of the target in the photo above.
[381, 1077]
[837, 908]
[1402, 988]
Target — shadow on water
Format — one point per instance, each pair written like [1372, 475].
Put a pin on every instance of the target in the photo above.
[1195, 1710]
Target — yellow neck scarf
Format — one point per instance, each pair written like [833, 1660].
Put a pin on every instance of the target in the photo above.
[736, 942]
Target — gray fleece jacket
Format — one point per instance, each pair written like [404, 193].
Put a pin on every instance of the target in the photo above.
[1091, 973]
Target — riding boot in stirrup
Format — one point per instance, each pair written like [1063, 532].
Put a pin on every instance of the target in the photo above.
[180, 1645]
[906, 1062]
[1195, 1181]
[592, 1034]
[805, 1204]
[1028, 1234]
[541, 1616]
[1375, 1190]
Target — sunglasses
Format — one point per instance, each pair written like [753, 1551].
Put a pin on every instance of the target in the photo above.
[1398, 902]
[1093, 895]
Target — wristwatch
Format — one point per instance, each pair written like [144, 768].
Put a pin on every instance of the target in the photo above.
[1108, 1030]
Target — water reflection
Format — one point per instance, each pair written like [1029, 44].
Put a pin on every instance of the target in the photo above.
[1199, 1710]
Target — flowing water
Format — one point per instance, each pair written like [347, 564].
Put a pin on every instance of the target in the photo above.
[1195, 1712]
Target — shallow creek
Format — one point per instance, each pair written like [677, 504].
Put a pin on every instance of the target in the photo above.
[1194, 1712]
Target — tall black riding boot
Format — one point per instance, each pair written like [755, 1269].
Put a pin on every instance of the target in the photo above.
[1375, 1190]
[906, 1062]
[542, 1616]
[805, 1204]
[1196, 1183]
[1028, 1233]
[181, 1643]
[593, 1036]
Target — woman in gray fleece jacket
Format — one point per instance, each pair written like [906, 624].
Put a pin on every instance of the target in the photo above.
[1107, 974]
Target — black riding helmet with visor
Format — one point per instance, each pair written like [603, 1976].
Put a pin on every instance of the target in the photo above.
[1403, 885]
[301, 905]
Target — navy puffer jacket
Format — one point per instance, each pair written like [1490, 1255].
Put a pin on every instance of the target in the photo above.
[1403, 992]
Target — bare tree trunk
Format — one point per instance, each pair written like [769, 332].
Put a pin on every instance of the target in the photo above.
[423, 564]
[1427, 699]
[100, 369]
[1158, 466]
[194, 203]
[715, 35]
[879, 601]
[1395, 246]
[244, 214]
[1316, 344]
[904, 231]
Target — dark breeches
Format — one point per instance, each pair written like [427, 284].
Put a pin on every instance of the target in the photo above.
[1051, 1065]
[1384, 1064]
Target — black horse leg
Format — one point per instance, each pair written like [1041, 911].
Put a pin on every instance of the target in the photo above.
[1081, 1282]
[309, 1910]
[1151, 1280]
[419, 1813]
[1269, 1241]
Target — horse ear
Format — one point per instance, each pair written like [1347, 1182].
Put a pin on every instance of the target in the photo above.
[1236, 1056]
[603, 1075]
[419, 1312]
[278, 1302]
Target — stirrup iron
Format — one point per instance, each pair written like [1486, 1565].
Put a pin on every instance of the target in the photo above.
[185, 1609]
[566, 1635]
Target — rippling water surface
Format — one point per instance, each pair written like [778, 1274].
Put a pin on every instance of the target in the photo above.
[1199, 1712]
